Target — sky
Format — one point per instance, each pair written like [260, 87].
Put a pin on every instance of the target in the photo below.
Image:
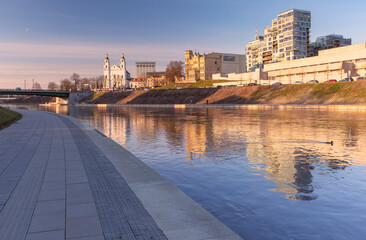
[48, 40]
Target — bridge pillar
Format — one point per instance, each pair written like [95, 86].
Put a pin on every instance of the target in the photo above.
[75, 97]
[60, 100]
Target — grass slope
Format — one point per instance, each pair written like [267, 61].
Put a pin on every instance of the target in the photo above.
[321, 93]
[7, 117]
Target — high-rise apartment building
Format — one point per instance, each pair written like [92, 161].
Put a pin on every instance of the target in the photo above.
[328, 42]
[142, 68]
[254, 53]
[286, 39]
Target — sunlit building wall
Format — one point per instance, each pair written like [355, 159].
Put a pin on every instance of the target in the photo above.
[286, 39]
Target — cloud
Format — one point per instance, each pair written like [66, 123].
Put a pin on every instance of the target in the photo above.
[88, 51]
[52, 62]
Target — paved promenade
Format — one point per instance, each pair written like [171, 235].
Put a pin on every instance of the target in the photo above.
[61, 179]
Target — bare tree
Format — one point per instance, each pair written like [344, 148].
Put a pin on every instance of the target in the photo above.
[75, 79]
[85, 84]
[37, 86]
[174, 71]
[66, 84]
[98, 82]
[53, 86]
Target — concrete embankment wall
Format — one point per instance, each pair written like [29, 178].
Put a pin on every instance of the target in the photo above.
[341, 93]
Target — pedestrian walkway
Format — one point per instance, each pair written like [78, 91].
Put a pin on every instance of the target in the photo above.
[60, 179]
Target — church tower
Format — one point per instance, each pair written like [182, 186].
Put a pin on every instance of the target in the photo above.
[107, 73]
[122, 65]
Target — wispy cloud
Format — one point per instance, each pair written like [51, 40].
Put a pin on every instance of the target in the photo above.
[87, 51]
[52, 62]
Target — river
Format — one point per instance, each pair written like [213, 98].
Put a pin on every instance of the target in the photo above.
[267, 174]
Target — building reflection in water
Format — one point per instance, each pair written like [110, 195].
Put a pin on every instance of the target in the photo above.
[288, 147]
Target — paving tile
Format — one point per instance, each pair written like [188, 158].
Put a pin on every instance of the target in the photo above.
[80, 187]
[75, 165]
[81, 210]
[74, 197]
[49, 222]
[75, 172]
[50, 207]
[95, 237]
[76, 179]
[49, 186]
[14, 171]
[48, 195]
[50, 235]
[54, 175]
[82, 227]
[7, 184]
[56, 164]
[13, 232]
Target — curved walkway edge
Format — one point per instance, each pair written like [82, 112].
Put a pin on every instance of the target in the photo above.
[62, 179]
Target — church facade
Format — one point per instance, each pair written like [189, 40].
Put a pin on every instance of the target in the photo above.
[116, 77]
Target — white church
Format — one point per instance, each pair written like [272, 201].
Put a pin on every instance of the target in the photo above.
[116, 77]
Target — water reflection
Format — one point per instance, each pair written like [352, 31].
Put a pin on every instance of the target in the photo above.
[285, 145]
[239, 163]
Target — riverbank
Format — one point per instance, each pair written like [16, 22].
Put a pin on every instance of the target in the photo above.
[65, 180]
[7, 117]
[340, 93]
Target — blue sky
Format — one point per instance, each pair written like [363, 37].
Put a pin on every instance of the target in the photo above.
[49, 40]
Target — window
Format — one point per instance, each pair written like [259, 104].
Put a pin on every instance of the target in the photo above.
[229, 59]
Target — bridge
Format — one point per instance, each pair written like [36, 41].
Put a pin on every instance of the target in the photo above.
[68, 97]
[62, 94]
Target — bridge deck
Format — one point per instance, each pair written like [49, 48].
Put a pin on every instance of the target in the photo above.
[63, 94]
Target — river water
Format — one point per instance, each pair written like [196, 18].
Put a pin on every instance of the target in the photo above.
[267, 174]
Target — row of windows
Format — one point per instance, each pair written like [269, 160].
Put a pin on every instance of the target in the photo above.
[143, 65]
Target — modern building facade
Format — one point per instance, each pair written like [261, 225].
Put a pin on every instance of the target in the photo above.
[201, 67]
[328, 42]
[336, 63]
[254, 53]
[142, 68]
[115, 77]
[286, 39]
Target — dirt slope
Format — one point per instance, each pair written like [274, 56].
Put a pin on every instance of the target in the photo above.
[322, 93]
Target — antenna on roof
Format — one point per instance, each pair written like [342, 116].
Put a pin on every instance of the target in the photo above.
[256, 31]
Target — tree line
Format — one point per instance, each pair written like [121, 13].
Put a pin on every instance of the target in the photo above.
[173, 73]
[75, 82]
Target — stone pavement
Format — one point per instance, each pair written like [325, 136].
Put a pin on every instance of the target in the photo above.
[60, 179]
